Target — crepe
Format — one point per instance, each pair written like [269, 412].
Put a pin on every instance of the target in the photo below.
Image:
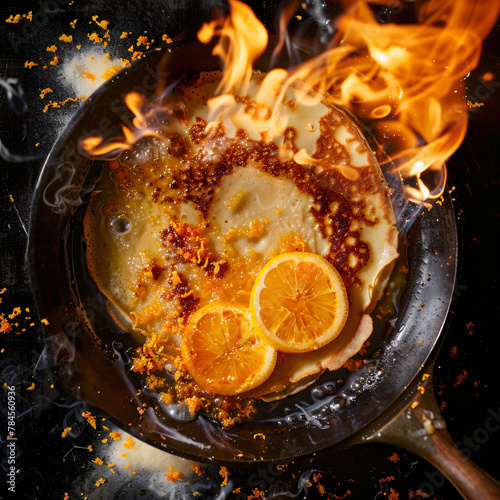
[191, 216]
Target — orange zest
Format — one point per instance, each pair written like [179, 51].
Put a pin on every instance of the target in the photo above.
[299, 302]
[222, 351]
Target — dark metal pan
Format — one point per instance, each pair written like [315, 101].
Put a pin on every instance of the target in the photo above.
[388, 400]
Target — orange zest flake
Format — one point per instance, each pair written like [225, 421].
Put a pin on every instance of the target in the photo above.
[105, 440]
[90, 418]
[110, 72]
[54, 61]
[394, 457]
[31, 387]
[388, 478]
[66, 496]
[393, 495]
[13, 19]
[65, 432]
[166, 398]
[15, 312]
[460, 378]
[73, 23]
[124, 34]
[98, 461]
[103, 24]
[52, 48]
[166, 39]
[316, 477]
[5, 326]
[95, 37]
[30, 64]
[225, 474]
[173, 475]
[116, 436]
[143, 40]
[100, 481]
[66, 38]
[59, 104]
[88, 75]
[353, 364]
[89, 447]
[472, 105]
[198, 470]
[137, 54]
[44, 92]
[129, 443]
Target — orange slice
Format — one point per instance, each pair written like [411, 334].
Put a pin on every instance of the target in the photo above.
[222, 351]
[299, 302]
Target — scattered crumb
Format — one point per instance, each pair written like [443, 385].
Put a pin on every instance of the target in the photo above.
[65, 432]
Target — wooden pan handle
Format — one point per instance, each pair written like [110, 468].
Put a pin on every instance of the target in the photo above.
[470, 480]
[420, 429]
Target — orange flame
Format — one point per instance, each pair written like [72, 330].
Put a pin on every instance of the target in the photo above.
[113, 148]
[242, 39]
[404, 81]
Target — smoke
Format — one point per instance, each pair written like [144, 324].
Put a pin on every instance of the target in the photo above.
[17, 103]
[62, 191]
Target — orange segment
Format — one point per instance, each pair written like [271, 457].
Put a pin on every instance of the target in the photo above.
[222, 351]
[299, 302]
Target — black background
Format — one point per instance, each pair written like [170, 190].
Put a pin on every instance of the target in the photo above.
[50, 465]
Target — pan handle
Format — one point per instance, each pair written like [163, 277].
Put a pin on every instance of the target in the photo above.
[420, 429]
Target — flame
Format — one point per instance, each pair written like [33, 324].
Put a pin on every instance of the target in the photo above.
[144, 124]
[242, 40]
[403, 81]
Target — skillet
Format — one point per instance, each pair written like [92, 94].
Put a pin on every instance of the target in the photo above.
[389, 400]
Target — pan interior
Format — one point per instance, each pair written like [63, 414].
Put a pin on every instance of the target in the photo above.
[96, 353]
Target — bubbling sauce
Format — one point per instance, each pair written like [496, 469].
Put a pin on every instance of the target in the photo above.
[191, 216]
